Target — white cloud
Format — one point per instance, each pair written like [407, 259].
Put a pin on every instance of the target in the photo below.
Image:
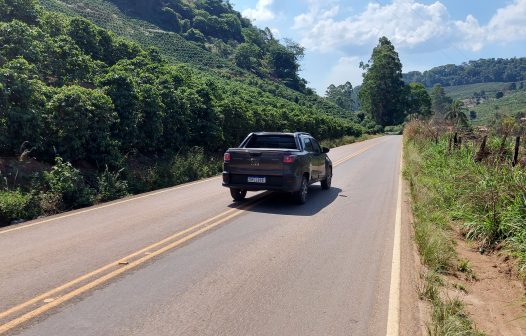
[471, 35]
[509, 23]
[262, 12]
[409, 24]
[316, 12]
[347, 69]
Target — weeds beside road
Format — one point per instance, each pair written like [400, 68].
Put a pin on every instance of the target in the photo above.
[484, 201]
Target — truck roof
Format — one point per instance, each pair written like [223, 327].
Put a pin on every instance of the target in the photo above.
[281, 133]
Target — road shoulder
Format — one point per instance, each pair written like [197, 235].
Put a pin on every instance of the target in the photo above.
[414, 313]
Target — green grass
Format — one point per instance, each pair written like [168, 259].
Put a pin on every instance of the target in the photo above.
[467, 91]
[486, 201]
[512, 103]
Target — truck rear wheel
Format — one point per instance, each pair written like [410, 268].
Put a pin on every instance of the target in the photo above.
[238, 194]
[326, 183]
[300, 196]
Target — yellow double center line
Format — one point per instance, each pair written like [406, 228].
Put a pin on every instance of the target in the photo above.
[348, 157]
[127, 263]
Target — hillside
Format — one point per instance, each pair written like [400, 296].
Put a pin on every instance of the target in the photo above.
[471, 90]
[482, 100]
[176, 49]
[207, 33]
[472, 72]
[512, 104]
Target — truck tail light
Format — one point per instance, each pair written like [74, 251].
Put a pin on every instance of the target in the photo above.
[289, 159]
[226, 157]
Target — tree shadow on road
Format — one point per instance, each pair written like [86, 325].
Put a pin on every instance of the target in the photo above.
[283, 203]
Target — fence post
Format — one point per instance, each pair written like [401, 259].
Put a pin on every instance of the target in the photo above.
[482, 151]
[516, 152]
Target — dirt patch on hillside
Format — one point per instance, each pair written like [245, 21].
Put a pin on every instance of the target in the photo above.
[491, 289]
[16, 172]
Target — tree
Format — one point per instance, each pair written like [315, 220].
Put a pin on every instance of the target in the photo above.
[499, 95]
[247, 56]
[66, 63]
[22, 101]
[152, 114]
[19, 39]
[341, 95]
[195, 35]
[170, 20]
[238, 121]
[440, 102]
[123, 90]
[86, 36]
[418, 100]
[457, 114]
[382, 91]
[27, 11]
[80, 122]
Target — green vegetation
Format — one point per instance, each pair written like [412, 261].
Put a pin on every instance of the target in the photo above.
[344, 96]
[472, 72]
[480, 90]
[120, 18]
[440, 102]
[209, 34]
[384, 96]
[475, 189]
[127, 119]
[493, 110]
[483, 104]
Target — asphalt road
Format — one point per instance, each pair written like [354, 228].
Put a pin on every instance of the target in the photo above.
[188, 261]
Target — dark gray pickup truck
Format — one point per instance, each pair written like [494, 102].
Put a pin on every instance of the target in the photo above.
[287, 162]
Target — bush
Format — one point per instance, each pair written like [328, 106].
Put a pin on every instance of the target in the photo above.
[66, 185]
[184, 168]
[193, 166]
[16, 205]
[111, 186]
[397, 129]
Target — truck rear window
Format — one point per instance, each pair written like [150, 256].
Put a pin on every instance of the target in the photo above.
[271, 141]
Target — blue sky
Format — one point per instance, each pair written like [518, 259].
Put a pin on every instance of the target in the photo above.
[338, 34]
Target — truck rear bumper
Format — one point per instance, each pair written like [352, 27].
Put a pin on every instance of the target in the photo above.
[286, 183]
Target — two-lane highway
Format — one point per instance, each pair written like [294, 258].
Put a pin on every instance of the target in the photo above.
[188, 261]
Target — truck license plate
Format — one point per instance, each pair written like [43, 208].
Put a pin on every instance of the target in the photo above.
[253, 179]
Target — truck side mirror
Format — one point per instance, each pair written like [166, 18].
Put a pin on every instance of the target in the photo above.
[325, 150]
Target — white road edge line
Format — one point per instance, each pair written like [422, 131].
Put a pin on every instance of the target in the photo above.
[393, 314]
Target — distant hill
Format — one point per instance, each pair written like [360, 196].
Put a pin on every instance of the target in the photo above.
[480, 89]
[472, 72]
[482, 103]
[511, 104]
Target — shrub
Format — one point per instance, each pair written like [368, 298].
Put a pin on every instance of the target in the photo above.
[397, 129]
[16, 205]
[65, 183]
[111, 186]
[193, 166]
